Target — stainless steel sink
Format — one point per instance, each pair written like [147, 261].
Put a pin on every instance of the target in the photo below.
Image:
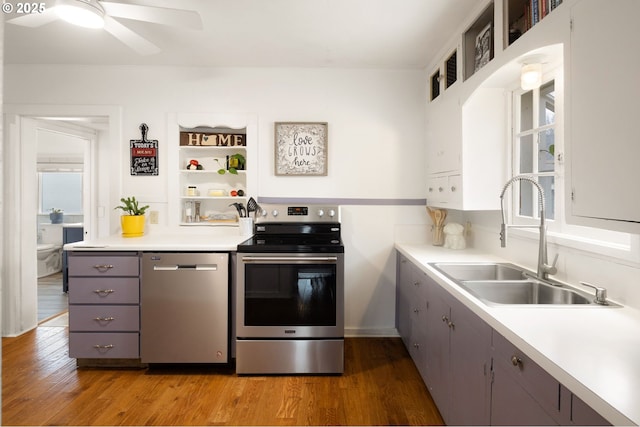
[506, 284]
[480, 271]
[523, 292]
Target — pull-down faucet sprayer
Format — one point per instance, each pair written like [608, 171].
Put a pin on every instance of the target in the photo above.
[544, 269]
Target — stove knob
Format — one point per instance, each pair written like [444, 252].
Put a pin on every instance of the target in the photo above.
[274, 212]
[332, 213]
[320, 212]
[263, 212]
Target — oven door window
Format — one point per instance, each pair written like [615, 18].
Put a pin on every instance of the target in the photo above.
[290, 295]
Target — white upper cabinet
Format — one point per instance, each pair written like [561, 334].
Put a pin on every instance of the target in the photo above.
[469, 124]
[465, 131]
[603, 142]
[444, 136]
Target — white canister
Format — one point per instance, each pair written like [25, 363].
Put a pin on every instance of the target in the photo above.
[454, 236]
[246, 226]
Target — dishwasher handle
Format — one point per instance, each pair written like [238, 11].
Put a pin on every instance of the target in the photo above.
[291, 259]
[177, 267]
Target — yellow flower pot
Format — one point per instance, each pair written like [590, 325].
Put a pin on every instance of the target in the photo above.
[132, 225]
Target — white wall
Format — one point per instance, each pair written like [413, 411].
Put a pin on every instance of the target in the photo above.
[376, 145]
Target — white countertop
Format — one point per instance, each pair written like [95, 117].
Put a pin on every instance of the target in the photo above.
[204, 239]
[593, 351]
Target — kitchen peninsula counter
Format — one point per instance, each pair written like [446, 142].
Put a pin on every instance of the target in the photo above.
[208, 240]
[593, 351]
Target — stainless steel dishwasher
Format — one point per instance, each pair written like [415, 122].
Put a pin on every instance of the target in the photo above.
[184, 307]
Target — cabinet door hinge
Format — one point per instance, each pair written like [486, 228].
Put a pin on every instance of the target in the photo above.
[571, 24]
[573, 194]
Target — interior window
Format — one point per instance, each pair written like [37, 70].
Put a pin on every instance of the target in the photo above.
[61, 190]
[535, 149]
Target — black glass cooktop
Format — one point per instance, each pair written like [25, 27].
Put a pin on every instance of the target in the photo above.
[282, 238]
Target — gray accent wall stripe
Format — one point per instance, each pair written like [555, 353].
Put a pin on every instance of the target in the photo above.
[342, 201]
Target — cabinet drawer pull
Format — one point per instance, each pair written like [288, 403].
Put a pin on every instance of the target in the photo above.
[103, 292]
[416, 311]
[103, 267]
[516, 361]
[440, 189]
[103, 347]
[104, 319]
[453, 188]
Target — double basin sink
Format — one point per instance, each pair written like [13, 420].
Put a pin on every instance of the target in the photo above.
[507, 284]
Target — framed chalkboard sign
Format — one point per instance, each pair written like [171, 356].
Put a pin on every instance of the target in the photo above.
[301, 148]
[144, 154]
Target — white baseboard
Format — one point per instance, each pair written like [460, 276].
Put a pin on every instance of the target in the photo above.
[360, 333]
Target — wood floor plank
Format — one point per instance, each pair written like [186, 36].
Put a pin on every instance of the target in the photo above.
[41, 385]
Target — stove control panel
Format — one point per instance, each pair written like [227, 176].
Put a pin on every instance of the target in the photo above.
[298, 213]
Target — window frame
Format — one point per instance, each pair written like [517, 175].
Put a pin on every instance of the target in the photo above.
[606, 243]
[41, 209]
[535, 131]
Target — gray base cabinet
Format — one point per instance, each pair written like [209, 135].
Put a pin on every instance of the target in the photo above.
[474, 374]
[470, 367]
[448, 343]
[458, 359]
[411, 311]
[522, 393]
[104, 305]
[69, 235]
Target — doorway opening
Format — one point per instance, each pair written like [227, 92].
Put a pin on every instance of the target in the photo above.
[64, 151]
[20, 194]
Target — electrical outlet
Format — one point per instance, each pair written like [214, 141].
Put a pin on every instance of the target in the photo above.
[153, 217]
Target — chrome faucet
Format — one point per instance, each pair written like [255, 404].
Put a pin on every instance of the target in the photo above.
[544, 269]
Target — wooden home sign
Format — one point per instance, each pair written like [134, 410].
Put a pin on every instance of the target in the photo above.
[144, 154]
[212, 139]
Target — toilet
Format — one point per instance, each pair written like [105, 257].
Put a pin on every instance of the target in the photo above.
[49, 249]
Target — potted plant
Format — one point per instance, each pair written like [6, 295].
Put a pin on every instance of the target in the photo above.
[235, 162]
[132, 220]
[56, 216]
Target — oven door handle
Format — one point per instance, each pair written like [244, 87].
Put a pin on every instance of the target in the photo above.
[291, 259]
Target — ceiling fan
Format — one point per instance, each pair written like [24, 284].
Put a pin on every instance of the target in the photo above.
[102, 14]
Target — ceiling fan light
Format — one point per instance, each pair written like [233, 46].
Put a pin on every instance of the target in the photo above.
[81, 13]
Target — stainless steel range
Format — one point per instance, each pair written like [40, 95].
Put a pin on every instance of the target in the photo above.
[290, 293]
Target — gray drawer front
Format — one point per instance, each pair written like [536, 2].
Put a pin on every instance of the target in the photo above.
[107, 318]
[83, 265]
[104, 290]
[95, 345]
[541, 385]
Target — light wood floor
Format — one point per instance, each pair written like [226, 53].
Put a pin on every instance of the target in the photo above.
[51, 299]
[42, 386]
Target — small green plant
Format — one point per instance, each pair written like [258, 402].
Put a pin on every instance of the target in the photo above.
[56, 216]
[236, 163]
[130, 206]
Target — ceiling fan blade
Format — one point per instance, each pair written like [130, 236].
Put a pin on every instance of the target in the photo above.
[158, 15]
[129, 37]
[35, 19]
